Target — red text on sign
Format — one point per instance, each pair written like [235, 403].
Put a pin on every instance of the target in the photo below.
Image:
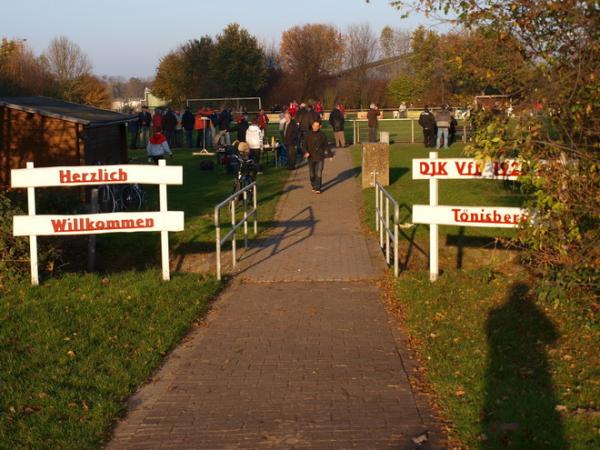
[467, 216]
[85, 224]
[98, 176]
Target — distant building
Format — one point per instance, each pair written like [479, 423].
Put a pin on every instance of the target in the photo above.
[153, 102]
[125, 105]
[52, 132]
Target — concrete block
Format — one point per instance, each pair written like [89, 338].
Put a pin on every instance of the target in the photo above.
[375, 159]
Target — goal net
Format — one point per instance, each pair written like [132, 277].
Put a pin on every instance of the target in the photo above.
[236, 104]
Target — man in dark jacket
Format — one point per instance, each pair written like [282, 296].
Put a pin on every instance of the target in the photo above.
[427, 122]
[225, 119]
[290, 139]
[187, 121]
[336, 119]
[169, 121]
[373, 122]
[317, 149]
[242, 127]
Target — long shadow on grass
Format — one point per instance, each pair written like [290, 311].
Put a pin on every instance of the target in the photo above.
[520, 400]
[461, 242]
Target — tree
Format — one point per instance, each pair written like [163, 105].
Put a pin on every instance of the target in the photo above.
[232, 65]
[311, 53]
[21, 73]
[66, 62]
[90, 90]
[196, 59]
[237, 63]
[361, 49]
[406, 88]
[394, 42]
[171, 78]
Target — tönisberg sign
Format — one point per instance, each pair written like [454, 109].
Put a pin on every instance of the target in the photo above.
[434, 169]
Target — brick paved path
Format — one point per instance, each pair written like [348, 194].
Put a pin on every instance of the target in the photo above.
[298, 352]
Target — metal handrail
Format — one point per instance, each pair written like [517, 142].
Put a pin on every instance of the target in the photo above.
[231, 201]
[382, 222]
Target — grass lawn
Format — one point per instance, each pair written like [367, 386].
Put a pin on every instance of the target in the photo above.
[508, 371]
[74, 349]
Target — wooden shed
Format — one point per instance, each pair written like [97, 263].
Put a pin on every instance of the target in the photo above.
[53, 132]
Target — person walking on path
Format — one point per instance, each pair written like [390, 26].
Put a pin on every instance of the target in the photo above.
[187, 121]
[144, 122]
[373, 122]
[427, 122]
[290, 139]
[317, 149]
[442, 121]
[336, 119]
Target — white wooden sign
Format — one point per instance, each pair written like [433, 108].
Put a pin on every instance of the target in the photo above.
[469, 216]
[465, 168]
[434, 169]
[96, 175]
[60, 225]
[53, 225]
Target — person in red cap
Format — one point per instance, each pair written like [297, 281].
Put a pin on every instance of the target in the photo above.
[158, 147]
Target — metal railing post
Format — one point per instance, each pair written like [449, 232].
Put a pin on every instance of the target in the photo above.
[245, 219]
[412, 130]
[381, 213]
[233, 237]
[218, 242]
[376, 201]
[387, 230]
[255, 206]
[396, 226]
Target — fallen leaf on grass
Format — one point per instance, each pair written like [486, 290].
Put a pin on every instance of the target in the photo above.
[420, 438]
[71, 354]
[460, 393]
[560, 408]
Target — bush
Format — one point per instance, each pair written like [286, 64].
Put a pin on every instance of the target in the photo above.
[14, 251]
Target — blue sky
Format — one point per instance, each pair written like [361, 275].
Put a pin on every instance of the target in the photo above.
[127, 37]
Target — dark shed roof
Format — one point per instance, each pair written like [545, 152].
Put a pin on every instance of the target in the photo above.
[71, 112]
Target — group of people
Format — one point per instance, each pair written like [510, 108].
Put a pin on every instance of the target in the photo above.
[438, 128]
[301, 136]
[299, 127]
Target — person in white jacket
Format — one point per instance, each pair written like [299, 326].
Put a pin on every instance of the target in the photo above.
[254, 138]
[157, 147]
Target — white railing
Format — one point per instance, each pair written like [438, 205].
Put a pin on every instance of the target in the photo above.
[232, 202]
[383, 217]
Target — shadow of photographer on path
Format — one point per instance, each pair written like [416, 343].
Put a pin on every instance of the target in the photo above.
[520, 399]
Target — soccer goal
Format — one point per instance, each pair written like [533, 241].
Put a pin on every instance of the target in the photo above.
[237, 104]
